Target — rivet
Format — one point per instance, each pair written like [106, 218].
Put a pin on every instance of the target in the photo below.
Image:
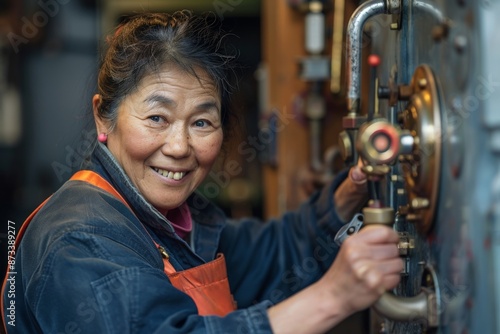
[422, 83]
[460, 43]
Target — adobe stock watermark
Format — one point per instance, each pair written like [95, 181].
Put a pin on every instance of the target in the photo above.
[10, 282]
[106, 294]
[74, 157]
[31, 26]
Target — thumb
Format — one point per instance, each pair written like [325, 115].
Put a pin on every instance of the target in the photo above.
[357, 176]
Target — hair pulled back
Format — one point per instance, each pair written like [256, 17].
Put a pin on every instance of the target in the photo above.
[146, 43]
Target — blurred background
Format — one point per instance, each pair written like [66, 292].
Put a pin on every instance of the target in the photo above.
[50, 53]
[49, 57]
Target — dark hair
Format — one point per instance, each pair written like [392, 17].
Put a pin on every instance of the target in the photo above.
[144, 43]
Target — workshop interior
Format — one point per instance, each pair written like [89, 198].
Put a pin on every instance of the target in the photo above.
[408, 87]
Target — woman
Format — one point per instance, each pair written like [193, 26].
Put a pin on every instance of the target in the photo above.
[127, 246]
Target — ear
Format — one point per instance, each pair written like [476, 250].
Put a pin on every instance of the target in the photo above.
[100, 124]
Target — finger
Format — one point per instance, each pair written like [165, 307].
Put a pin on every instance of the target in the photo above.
[390, 266]
[357, 176]
[391, 281]
[379, 279]
[393, 266]
[374, 234]
[374, 281]
[375, 252]
[380, 252]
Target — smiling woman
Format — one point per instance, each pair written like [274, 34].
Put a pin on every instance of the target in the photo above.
[127, 245]
[167, 136]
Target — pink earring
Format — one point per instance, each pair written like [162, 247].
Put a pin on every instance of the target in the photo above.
[102, 138]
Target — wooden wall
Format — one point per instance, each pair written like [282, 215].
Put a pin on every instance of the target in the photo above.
[283, 47]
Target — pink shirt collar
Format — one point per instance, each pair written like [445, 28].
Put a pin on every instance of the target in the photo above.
[181, 220]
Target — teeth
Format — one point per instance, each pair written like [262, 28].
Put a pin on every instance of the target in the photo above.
[171, 175]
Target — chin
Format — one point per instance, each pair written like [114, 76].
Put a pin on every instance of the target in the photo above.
[173, 203]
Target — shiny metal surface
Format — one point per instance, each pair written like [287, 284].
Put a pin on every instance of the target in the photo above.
[403, 308]
[459, 41]
[354, 48]
[422, 168]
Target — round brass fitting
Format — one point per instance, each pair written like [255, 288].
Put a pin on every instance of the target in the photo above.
[378, 142]
[384, 216]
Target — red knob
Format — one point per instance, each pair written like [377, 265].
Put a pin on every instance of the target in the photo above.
[373, 60]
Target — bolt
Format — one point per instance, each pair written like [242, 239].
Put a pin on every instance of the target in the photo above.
[384, 92]
[393, 6]
[422, 83]
[368, 168]
[413, 217]
[403, 247]
[403, 210]
[396, 178]
[440, 32]
[460, 43]
[394, 26]
[382, 330]
[429, 282]
[316, 6]
[420, 203]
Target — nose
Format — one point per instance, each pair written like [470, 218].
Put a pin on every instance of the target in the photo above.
[177, 142]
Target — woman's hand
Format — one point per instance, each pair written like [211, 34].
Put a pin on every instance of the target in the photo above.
[368, 264]
[352, 194]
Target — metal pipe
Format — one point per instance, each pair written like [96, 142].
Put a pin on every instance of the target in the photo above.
[354, 47]
[431, 9]
[403, 308]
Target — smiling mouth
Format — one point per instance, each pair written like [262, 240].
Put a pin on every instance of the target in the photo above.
[171, 175]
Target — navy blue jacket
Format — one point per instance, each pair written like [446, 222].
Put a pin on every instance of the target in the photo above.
[87, 265]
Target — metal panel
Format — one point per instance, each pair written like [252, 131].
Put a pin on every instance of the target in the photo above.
[459, 40]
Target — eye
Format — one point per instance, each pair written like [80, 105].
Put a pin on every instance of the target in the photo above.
[201, 123]
[155, 118]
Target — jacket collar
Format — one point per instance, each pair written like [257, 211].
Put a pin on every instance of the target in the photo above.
[105, 164]
[203, 211]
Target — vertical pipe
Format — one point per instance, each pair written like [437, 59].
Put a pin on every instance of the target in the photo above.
[354, 49]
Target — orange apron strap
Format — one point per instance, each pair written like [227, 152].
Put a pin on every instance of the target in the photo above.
[208, 286]
[98, 181]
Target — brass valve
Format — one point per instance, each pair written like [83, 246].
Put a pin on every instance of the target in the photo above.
[351, 123]
[380, 143]
[383, 215]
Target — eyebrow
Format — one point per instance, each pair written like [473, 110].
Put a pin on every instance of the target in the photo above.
[161, 100]
[208, 106]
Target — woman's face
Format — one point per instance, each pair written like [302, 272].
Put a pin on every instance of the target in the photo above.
[168, 135]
